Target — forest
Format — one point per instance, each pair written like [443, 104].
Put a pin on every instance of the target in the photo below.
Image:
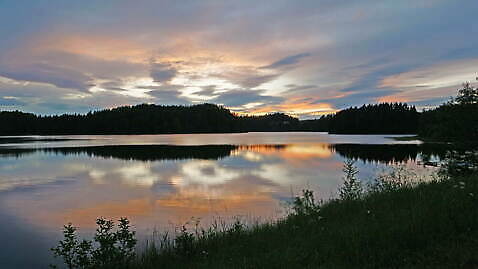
[384, 118]
[204, 118]
[454, 120]
[145, 119]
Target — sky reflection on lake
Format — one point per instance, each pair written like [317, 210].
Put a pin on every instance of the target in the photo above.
[44, 185]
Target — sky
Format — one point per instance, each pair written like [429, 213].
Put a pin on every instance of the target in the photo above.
[304, 58]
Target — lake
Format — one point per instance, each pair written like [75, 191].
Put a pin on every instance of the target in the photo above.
[161, 181]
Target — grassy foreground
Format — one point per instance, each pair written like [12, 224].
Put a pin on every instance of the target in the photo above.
[432, 225]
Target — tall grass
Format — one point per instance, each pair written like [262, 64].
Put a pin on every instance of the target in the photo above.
[393, 223]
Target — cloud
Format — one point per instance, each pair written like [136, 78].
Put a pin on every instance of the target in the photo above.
[287, 61]
[247, 77]
[168, 95]
[162, 72]
[292, 88]
[65, 70]
[45, 73]
[207, 90]
[232, 46]
[443, 74]
[240, 97]
[10, 101]
[359, 98]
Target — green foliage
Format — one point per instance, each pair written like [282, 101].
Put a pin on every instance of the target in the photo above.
[399, 224]
[430, 225]
[184, 243]
[352, 186]
[110, 249]
[305, 205]
[75, 254]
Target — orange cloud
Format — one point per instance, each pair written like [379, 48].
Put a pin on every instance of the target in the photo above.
[299, 108]
[101, 47]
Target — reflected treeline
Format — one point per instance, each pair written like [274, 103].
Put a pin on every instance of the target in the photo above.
[27, 139]
[388, 153]
[261, 148]
[391, 153]
[134, 152]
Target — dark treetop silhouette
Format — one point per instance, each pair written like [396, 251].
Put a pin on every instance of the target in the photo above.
[207, 118]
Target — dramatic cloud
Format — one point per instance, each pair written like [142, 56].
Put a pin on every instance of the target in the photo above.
[289, 60]
[169, 96]
[54, 75]
[237, 98]
[163, 73]
[304, 58]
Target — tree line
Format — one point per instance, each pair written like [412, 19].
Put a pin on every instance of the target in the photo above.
[145, 119]
[384, 118]
[454, 120]
[203, 118]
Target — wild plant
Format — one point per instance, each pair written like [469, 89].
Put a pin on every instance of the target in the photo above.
[459, 164]
[397, 177]
[110, 249]
[305, 205]
[352, 186]
[184, 243]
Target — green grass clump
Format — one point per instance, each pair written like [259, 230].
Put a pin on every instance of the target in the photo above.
[429, 225]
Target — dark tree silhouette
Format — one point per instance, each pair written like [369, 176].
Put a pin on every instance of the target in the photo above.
[385, 118]
[467, 95]
[207, 118]
[456, 120]
[133, 152]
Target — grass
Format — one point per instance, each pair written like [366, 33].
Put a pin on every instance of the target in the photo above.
[394, 224]
[430, 225]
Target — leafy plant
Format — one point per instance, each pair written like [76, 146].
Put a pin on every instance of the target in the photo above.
[352, 186]
[110, 249]
[305, 204]
[75, 254]
[184, 243]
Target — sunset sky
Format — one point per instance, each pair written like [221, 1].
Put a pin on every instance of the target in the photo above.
[304, 58]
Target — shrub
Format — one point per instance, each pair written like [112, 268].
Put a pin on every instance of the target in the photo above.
[305, 204]
[110, 249]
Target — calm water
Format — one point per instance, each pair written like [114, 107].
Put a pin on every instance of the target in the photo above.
[161, 181]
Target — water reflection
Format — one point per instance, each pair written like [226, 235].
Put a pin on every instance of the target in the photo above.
[156, 185]
[384, 153]
[391, 153]
[131, 152]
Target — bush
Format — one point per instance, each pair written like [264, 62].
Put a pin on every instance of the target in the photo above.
[110, 249]
[305, 205]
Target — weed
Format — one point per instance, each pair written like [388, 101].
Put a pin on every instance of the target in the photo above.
[352, 186]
